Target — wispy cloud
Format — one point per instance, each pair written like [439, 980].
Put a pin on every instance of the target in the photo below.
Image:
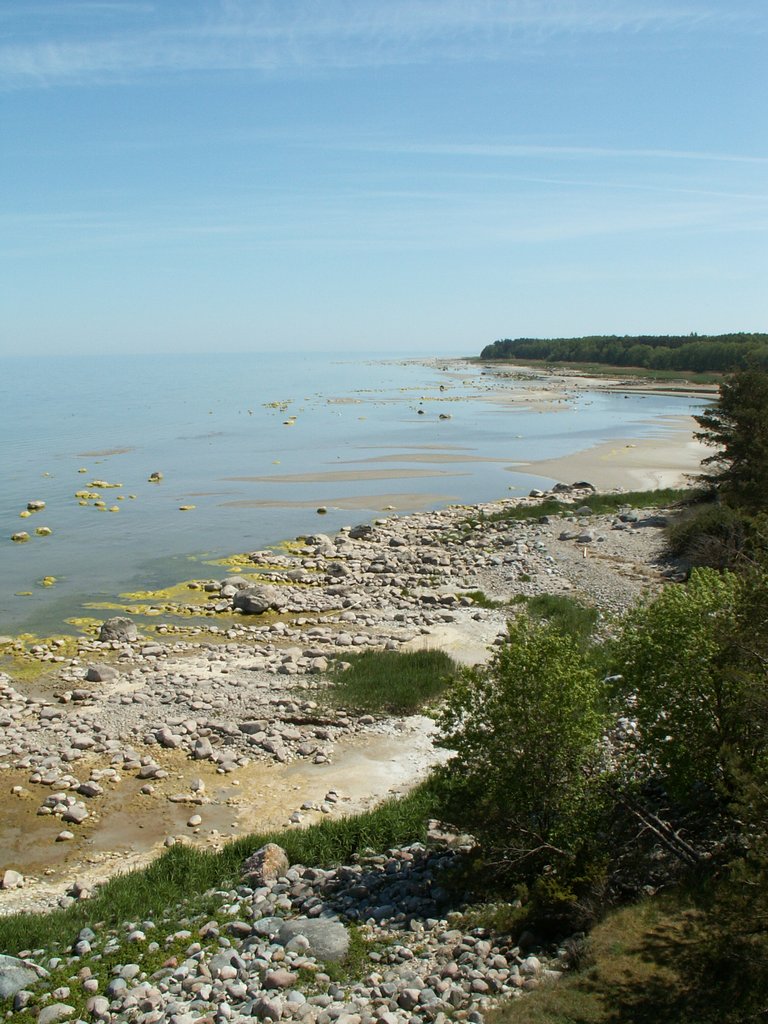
[305, 35]
[377, 221]
[513, 150]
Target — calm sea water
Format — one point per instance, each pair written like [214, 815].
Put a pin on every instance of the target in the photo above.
[207, 422]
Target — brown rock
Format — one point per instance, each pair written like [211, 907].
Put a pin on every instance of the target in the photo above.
[265, 865]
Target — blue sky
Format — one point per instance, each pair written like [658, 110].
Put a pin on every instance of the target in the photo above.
[401, 175]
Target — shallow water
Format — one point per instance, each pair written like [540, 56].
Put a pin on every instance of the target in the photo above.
[211, 426]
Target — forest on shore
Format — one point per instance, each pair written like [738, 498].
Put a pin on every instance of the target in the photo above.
[698, 353]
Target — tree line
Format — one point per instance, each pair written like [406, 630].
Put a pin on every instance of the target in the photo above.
[721, 353]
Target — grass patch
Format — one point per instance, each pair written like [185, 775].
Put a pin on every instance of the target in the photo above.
[392, 682]
[565, 614]
[638, 373]
[184, 880]
[636, 972]
[598, 504]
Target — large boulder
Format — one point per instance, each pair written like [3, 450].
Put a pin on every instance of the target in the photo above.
[101, 673]
[321, 542]
[120, 629]
[362, 532]
[267, 864]
[16, 975]
[327, 939]
[259, 599]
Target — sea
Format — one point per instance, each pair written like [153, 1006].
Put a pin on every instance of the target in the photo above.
[249, 447]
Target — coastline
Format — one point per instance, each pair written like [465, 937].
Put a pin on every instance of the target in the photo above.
[414, 437]
[197, 733]
[74, 709]
[633, 464]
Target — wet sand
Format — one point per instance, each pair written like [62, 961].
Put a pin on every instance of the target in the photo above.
[630, 464]
[342, 475]
[370, 502]
[128, 831]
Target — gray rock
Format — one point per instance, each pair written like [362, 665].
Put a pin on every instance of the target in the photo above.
[362, 532]
[101, 673]
[279, 979]
[267, 927]
[98, 1007]
[119, 628]
[16, 975]
[166, 738]
[328, 939]
[531, 967]
[203, 750]
[90, 789]
[267, 1008]
[236, 582]
[259, 599]
[75, 814]
[55, 1012]
[11, 879]
[251, 728]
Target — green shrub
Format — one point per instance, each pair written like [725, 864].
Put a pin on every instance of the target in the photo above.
[713, 535]
[693, 681]
[526, 733]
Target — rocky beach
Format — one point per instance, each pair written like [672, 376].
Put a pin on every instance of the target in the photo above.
[122, 740]
[209, 719]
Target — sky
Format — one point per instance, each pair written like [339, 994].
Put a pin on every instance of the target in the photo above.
[404, 176]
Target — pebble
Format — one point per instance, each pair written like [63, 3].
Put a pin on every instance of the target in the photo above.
[423, 967]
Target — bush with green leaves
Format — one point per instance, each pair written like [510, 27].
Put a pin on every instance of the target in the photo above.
[693, 673]
[526, 730]
[712, 534]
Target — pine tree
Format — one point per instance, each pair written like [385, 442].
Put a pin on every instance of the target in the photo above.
[737, 424]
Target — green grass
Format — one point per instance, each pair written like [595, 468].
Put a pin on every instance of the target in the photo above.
[638, 373]
[184, 880]
[565, 614]
[639, 967]
[598, 504]
[392, 682]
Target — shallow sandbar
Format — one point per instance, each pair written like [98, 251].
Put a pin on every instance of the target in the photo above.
[374, 502]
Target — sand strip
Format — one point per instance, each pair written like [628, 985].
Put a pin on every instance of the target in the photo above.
[341, 475]
[373, 502]
[640, 464]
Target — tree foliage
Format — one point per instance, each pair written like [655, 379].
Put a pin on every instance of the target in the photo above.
[699, 353]
[526, 731]
[737, 426]
[693, 677]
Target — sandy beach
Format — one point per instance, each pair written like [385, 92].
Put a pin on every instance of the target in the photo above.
[672, 460]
